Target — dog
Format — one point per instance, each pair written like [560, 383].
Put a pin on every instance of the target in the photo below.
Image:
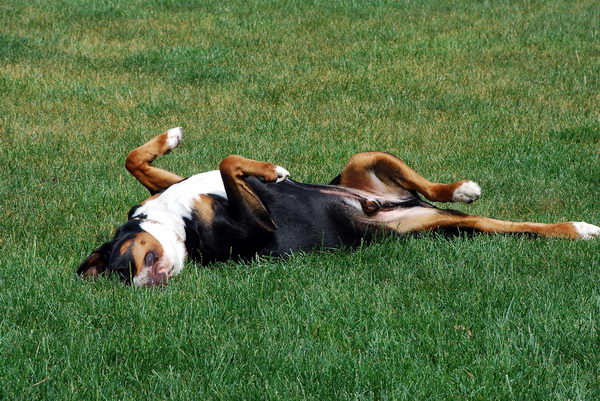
[248, 208]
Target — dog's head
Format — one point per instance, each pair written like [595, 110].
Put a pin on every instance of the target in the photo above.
[134, 254]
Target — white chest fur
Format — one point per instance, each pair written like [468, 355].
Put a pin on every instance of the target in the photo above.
[177, 201]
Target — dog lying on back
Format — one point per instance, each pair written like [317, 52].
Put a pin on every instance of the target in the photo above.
[249, 208]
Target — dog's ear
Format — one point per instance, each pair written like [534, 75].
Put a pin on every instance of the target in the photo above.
[96, 263]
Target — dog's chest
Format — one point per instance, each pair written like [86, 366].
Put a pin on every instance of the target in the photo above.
[177, 201]
[189, 189]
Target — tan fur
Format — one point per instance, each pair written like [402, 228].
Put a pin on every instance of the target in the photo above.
[204, 208]
[139, 246]
[139, 164]
[395, 176]
[436, 219]
[234, 169]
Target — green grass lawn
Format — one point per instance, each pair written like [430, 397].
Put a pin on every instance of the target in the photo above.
[506, 93]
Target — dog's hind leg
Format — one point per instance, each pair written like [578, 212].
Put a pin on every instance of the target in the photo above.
[416, 219]
[139, 161]
[384, 174]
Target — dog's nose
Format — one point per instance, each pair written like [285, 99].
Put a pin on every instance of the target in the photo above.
[158, 278]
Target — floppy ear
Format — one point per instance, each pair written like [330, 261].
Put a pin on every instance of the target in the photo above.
[95, 264]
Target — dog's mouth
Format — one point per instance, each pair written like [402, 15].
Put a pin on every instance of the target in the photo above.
[155, 272]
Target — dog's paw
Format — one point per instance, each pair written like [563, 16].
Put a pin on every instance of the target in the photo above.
[272, 173]
[282, 174]
[174, 136]
[467, 192]
[586, 230]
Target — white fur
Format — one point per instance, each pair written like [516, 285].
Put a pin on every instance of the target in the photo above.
[282, 174]
[174, 136]
[177, 201]
[467, 192]
[586, 230]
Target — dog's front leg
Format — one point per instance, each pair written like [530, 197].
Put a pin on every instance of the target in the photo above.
[244, 204]
[139, 161]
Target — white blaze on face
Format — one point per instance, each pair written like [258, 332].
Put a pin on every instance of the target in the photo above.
[173, 256]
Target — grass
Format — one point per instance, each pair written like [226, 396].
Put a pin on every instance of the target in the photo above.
[505, 93]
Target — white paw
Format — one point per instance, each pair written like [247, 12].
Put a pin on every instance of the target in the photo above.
[282, 174]
[467, 192]
[586, 230]
[174, 136]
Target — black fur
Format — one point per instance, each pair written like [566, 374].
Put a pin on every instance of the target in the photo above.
[225, 237]
[305, 219]
[107, 258]
[132, 212]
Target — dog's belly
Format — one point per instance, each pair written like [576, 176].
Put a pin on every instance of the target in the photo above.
[307, 218]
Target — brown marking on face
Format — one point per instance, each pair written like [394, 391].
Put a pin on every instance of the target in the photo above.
[204, 208]
[126, 245]
[139, 246]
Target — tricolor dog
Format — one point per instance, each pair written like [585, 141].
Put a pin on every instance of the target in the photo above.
[248, 208]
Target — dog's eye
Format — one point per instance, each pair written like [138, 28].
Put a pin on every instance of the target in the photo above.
[150, 258]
